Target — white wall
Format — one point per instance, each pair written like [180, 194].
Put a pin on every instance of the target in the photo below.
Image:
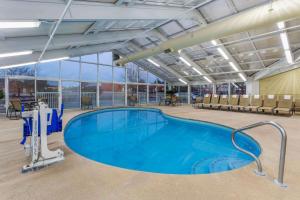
[252, 87]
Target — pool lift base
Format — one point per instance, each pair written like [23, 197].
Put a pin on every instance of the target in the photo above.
[41, 156]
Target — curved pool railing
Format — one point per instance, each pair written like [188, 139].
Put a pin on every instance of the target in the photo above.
[259, 170]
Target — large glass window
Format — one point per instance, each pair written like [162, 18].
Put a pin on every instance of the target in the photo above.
[47, 91]
[222, 89]
[21, 89]
[183, 94]
[70, 70]
[48, 70]
[132, 72]
[142, 76]
[106, 94]
[142, 94]
[238, 88]
[105, 73]
[90, 58]
[200, 91]
[119, 94]
[88, 72]
[152, 78]
[106, 58]
[160, 92]
[28, 70]
[71, 94]
[89, 90]
[152, 94]
[119, 74]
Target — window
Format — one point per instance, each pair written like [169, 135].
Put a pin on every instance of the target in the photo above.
[48, 70]
[132, 73]
[222, 89]
[88, 72]
[75, 58]
[21, 89]
[160, 92]
[106, 58]
[28, 70]
[200, 91]
[152, 94]
[142, 94]
[152, 78]
[119, 94]
[70, 70]
[142, 76]
[105, 73]
[89, 90]
[238, 88]
[93, 58]
[48, 92]
[119, 74]
[183, 94]
[106, 94]
[71, 94]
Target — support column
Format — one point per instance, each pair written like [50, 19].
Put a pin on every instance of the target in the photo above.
[6, 92]
[229, 89]
[189, 94]
[214, 88]
[147, 96]
[97, 95]
[59, 93]
[126, 103]
[165, 90]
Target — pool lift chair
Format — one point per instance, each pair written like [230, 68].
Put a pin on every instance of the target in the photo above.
[41, 118]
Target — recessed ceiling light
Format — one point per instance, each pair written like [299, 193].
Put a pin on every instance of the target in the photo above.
[18, 65]
[154, 63]
[196, 70]
[54, 59]
[182, 81]
[185, 61]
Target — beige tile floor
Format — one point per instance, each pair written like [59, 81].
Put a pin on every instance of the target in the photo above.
[79, 178]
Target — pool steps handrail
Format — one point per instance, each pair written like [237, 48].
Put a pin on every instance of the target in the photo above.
[259, 171]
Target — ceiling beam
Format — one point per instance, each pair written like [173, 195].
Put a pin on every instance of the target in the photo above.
[163, 38]
[37, 43]
[57, 54]
[160, 63]
[84, 10]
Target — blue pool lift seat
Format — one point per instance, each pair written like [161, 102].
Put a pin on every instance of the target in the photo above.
[54, 126]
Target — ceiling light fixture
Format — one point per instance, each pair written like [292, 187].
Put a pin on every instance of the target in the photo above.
[182, 81]
[242, 77]
[223, 54]
[185, 61]
[214, 42]
[196, 70]
[11, 54]
[185, 73]
[54, 59]
[285, 43]
[208, 80]
[154, 63]
[18, 65]
[19, 24]
[233, 66]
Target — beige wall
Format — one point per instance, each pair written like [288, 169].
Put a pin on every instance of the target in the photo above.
[284, 83]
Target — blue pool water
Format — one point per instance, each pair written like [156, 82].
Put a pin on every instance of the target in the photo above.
[148, 140]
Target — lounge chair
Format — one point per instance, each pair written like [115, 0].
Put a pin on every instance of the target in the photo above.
[270, 103]
[223, 102]
[214, 100]
[285, 104]
[256, 102]
[297, 106]
[86, 102]
[175, 101]
[244, 102]
[197, 102]
[206, 101]
[233, 101]
[16, 108]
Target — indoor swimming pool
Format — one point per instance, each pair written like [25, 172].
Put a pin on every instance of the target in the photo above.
[148, 140]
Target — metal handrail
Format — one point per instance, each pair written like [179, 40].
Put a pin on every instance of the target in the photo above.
[282, 131]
